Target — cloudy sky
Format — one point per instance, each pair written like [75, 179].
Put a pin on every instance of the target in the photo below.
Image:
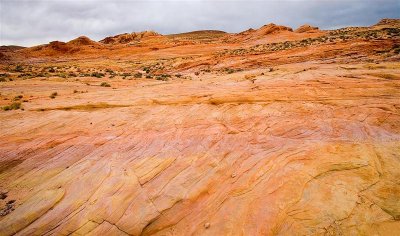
[32, 22]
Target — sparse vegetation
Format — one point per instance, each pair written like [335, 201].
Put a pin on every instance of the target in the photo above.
[19, 68]
[334, 36]
[18, 97]
[53, 95]
[138, 75]
[105, 84]
[4, 76]
[97, 74]
[396, 48]
[110, 71]
[13, 106]
[146, 69]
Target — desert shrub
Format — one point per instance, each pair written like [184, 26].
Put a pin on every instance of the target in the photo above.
[229, 70]
[396, 48]
[138, 75]
[63, 75]
[16, 98]
[163, 77]
[25, 75]
[52, 70]
[97, 74]
[125, 74]
[146, 69]
[41, 74]
[19, 68]
[105, 84]
[3, 77]
[13, 106]
[53, 95]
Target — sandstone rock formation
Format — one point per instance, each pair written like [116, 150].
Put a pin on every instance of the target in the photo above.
[82, 40]
[128, 37]
[272, 28]
[306, 28]
[392, 22]
[292, 137]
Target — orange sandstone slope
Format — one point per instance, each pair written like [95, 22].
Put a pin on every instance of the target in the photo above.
[261, 46]
[203, 133]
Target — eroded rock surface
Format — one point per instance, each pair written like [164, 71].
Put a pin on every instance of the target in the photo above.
[276, 147]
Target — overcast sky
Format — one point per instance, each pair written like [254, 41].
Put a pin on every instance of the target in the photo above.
[35, 22]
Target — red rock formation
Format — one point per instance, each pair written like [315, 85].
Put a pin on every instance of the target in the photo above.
[129, 37]
[298, 134]
[82, 41]
[272, 28]
[306, 28]
[392, 22]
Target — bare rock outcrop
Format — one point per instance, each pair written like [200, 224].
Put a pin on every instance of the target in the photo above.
[82, 41]
[129, 37]
[388, 21]
[306, 28]
[273, 28]
[288, 134]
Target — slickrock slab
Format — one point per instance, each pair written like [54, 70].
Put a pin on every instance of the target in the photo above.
[297, 151]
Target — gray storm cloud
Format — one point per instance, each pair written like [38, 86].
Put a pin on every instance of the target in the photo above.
[35, 22]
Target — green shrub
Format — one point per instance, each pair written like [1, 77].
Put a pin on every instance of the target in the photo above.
[13, 106]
